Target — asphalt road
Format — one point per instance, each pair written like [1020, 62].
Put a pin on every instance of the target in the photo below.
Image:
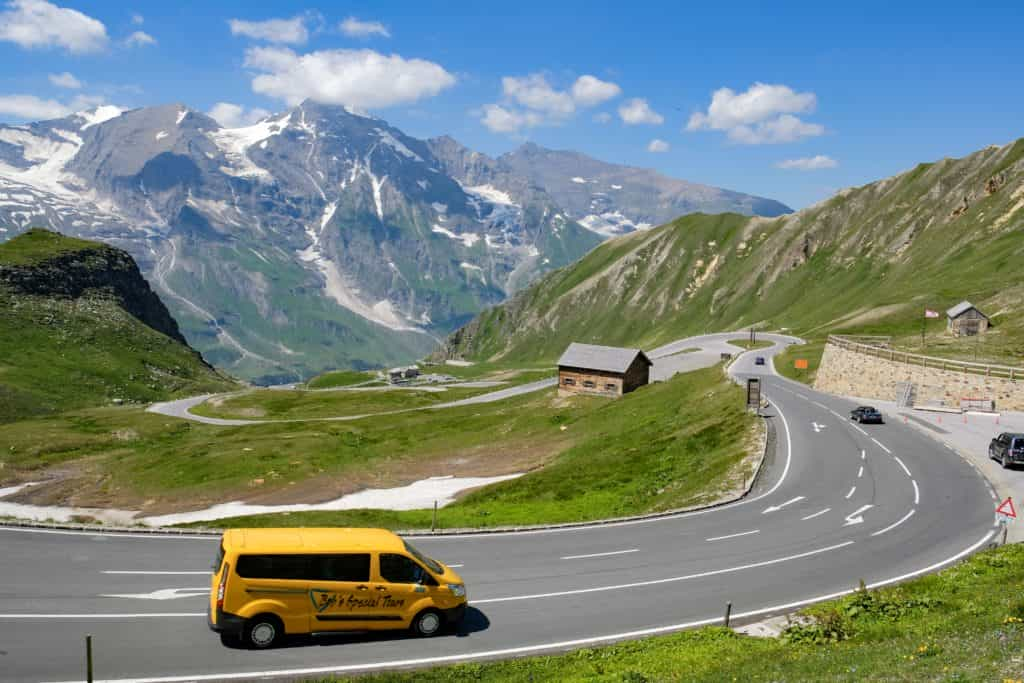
[836, 504]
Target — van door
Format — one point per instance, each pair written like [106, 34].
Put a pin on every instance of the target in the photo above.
[341, 595]
[403, 585]
[278, 584]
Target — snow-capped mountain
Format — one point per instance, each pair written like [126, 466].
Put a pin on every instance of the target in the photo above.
[316, 238]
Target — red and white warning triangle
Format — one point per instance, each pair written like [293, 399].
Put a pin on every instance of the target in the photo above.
[1006, 508]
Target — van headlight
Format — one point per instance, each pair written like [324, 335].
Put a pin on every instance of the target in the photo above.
[457, 589]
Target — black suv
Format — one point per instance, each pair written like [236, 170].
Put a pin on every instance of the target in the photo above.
[865, 414]
[1008, 449]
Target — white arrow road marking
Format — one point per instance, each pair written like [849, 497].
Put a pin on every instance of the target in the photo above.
[818, 427]
[742, 533]
[857, 517]
[162, 594]
[893, 526]
[614, 552]
[776, 508]
[816, 514]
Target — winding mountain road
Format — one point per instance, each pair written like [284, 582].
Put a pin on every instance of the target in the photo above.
[837, 503]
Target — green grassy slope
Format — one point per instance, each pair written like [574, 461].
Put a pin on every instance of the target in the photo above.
[964, 624]
[63, 352]
[868, 260]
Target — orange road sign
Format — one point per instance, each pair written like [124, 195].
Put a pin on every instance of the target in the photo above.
[800, 364]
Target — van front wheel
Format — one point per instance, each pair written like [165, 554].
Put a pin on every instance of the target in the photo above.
[428, 623]
[263, 631]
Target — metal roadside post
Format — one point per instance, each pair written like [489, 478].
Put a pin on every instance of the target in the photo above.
[433, 520]
[728, 613]
[88, 657]
[1005, 513]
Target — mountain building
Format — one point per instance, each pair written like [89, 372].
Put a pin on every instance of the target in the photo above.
[966, 320]
[602, 370]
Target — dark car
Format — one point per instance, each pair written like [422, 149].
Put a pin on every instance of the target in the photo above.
[759, 360]
[1008, 449]
[866, 414]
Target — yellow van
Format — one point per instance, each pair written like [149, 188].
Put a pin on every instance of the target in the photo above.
[272, 582]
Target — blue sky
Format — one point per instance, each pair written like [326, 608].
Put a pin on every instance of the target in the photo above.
[818, 97]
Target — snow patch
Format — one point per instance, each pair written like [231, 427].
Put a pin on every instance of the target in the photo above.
[181, 117]
[492, 194]
[468, 239]
[612, 223]
[161, 135]
[439, 207]
[470, 266]
[235, 142]
[99, 115]
[578, 180]
[616, 187]
[392, 142]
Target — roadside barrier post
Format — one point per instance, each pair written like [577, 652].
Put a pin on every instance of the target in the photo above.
[88, 658]
[728, 613]
[433, 520]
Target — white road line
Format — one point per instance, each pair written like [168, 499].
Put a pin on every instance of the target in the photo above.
[859, 429]
[860, 472]
[835, 413]
[897, 458]
[820, 405]
[850, 494]
[816, 514]
[614, 552]
[657, 582]
[742, 533]
[879, 444]
[455, 566]
[863, 455]
[145, 573]
[917, 492]
[893, 526]
[111, 534]
[99, 615]
[803, 396]
[562, 645]
[776, 508]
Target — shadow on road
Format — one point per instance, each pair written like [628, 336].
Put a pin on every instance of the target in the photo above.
[474, 622]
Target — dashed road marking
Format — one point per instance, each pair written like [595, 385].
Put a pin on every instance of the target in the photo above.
[860, 472]
[880, 444]
[917, 492]
[897, 459]
[742, 533]
[816, 514]
[614, 552]
[850, 494]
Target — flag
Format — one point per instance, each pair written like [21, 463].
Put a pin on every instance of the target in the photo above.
[928, 313]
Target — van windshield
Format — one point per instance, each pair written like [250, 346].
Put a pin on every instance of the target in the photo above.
[431, 564]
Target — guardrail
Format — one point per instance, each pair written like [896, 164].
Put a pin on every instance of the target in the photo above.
[886, 353]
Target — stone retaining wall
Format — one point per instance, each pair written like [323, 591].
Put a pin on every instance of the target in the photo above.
[851, 373]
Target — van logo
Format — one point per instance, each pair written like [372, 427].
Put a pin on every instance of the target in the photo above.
[322, 600]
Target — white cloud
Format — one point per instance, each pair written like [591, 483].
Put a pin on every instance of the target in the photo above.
[34, 108]
[786, 128]
[808, 163]
[602, 117]
[291, 31]
[358, 78]
[657, 145]
[637, 111]
[139, 39]
[499, 119]
[764, 114]
[354, 28]
[65, 80]
[589, 91]
[40, 24]
[232, 115]
[531, 101]
[138, 19]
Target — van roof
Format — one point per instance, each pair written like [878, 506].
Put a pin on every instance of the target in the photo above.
[310, 539]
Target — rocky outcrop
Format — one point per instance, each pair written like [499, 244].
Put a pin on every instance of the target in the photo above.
[97, 270]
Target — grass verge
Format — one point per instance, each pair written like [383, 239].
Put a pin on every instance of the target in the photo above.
[785, 362]
[963, 624]
[340, 378]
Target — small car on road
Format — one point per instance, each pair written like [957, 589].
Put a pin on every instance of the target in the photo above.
[1008, 449]
[866, 415]
[759, 360]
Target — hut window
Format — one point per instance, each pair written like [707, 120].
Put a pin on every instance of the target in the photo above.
[610, 387]
[588, 384]
[569, 382]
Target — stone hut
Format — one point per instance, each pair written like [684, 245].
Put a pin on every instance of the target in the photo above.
[966, 320]
[602, 370]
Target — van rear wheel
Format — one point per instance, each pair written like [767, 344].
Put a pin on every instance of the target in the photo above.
[263, 631]
[427, 623]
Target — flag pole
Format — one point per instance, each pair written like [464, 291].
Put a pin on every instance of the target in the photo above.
[924, 319]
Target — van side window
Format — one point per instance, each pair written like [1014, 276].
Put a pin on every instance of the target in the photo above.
[351, 567]
[272, 566]
[400, 569]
